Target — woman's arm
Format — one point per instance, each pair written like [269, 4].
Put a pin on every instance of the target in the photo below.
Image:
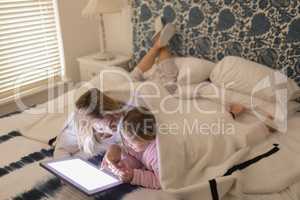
[66, 142]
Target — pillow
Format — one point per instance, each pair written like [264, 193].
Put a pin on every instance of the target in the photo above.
[193, 70]
[250, 78]
[192, 91]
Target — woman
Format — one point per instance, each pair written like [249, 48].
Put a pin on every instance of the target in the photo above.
[93, 122]
[92, 126]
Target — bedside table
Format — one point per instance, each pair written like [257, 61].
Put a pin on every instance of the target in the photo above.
[90, 67]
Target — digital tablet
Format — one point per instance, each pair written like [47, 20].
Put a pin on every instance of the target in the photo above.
[82, 175]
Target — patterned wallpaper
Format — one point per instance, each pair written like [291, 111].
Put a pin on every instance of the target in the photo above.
[265, 31]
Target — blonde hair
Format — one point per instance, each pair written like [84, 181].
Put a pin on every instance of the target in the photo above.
[85, 132]
[90, 106]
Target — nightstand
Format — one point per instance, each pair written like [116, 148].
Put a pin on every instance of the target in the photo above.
[90, 67]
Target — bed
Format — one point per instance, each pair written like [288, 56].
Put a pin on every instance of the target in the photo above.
[25, 135]
[232, 28]
[24, 144]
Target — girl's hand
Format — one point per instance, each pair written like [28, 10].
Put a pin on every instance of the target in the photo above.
[104, 164]
[107, 164]
[125, 173]
[112, 157]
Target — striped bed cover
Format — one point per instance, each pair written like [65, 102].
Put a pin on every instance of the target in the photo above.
[21, 177]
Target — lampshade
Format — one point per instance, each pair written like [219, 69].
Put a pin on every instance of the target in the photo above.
[96, 7]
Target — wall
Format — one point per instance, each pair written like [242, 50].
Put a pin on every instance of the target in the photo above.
[80, 35]
[35, 99]
[265, 31]
[119, 31]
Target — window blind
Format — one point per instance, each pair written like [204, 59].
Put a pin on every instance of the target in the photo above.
[30, 46]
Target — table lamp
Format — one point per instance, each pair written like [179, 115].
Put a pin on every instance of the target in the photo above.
[95, 10]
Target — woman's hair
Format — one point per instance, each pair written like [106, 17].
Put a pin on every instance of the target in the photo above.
[97, 104]
[139, 122]
[90, 106]
[83, 125]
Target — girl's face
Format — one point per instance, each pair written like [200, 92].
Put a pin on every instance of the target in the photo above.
[136, 143]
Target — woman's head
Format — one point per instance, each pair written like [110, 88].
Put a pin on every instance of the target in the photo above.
[138, 128]
[96, 104]
[94, 118]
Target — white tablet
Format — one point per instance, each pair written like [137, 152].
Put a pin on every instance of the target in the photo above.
[82, 175]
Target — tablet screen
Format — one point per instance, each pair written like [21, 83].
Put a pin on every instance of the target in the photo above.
[83, 173]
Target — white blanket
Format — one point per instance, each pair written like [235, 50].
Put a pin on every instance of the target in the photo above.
[188, 160]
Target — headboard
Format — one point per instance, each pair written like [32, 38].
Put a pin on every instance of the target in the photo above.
[264, 31]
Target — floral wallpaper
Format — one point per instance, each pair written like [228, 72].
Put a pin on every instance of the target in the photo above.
[265, 31]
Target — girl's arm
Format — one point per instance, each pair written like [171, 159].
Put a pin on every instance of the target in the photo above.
[145, 178]
[148, 178]
[131, 158]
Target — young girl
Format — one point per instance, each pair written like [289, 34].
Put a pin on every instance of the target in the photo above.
[139, 161]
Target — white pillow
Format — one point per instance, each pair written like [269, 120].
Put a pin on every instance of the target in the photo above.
[245, 76]
[192, 91]
[193, 70]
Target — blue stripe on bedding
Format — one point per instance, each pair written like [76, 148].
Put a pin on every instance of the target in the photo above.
[30, 158]
[116, 193]
[53, 186]
[42, 191]
[10, 135]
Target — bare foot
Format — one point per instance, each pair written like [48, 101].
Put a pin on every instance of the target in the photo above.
[237, 109]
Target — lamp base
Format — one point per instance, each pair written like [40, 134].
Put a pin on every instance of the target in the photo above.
[105, 56]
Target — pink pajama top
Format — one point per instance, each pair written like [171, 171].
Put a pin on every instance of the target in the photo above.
[145, 165]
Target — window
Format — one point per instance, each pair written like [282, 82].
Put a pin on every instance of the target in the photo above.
[30, 46]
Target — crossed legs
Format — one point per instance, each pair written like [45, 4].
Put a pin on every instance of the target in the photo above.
[149, 59]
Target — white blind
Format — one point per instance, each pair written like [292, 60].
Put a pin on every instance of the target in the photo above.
[30, 53]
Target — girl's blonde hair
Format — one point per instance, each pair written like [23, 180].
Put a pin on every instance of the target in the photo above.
[90, 106]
